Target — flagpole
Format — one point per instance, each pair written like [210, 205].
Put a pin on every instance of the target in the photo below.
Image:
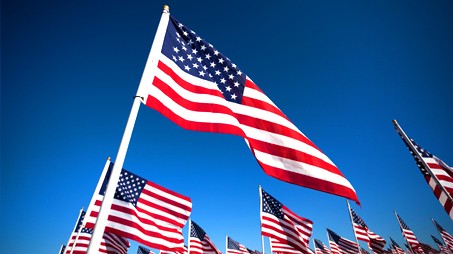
[352, 223]
[188, 236]
[261, 224]
[75, 226]
[62, 248]
[408, 244]
[226, 244]
[414, 150]
[76, 239]
[151, 64]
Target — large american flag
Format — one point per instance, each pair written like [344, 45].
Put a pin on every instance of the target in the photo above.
[442, 247]
[199, 88]
[144, 212]
[281, 224]
[448, 239]
[431, 166]
[395, 247]
[375, 242]
[283, 248]
[408, 234]
[233, 247]
[110, 243]
[199, 241]
[340, 244]
[321, 248]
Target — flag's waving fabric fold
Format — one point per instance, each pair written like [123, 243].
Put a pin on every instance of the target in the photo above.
[340, 244]
[200, 89]
[448, 239]
[283, 248]
[408, 234]
[321, 248]
[234, 247]
[283, 225]
[199, 241]
[144, 212]
[110, 243]
[437, 173]
[363, 233]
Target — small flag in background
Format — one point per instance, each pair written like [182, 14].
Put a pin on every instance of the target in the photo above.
[281, 224]
[144, 250]
[408, 234]
[282, 248]
[62, 247]
[442, 247]
[341, 245]
[144, 212]
[233, 247]
[432, 167]
[395, 247]
[363, 233]
[448, 239]
[110, 243]
[321, 248]
[200, 89]
[200, 243]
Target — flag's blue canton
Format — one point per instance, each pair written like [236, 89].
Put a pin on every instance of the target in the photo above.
[437, 241]
[233, 244]
[200, 59]
[423, 152]
[439, 227]
[394, 244]
[143, 250]
[87, 230]
[129, 187]
[319, 244]
[79, 223]
[333, 236]
[63, 247]
[271, 205]
[403, 224]
[197, 231]
[357, 219]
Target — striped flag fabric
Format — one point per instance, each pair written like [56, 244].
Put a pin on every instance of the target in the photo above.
[172, 252]
[321, 248]
[144, 212]
[408, 234]
[448, 239]
[144, 250]
[283, 248]
[233, 247]
[395, 247]
[198, 88]
[283, 225]
[199, 241]
[375, 242]
[442, 247]
[341, 245]
[437, 173]
[110, 243]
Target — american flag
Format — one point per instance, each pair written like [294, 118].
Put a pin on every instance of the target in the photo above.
[448, 239]
[430, 166]
[144, 250]
[395, 247]
[442, 247]
[144, 212]
[363, 233]
[408, 234]
[281, 224]
[428, 249]
[321, 248]
[110, 243]
[200, 89]
[171, 252]
[199, 241]
[341, 245]
[283, 248]
[233, 247]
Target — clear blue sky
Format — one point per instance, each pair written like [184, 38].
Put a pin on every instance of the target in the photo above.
[340, 70]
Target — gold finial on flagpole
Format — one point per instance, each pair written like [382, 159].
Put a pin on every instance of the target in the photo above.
[166, 9]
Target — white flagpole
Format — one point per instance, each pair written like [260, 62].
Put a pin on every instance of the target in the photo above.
[226, 244]
[414, 150]
[62, 248]
[150, 66]
[188, 236]
[75, 226]
[261, 217]
[77, 238]
[352, 223]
